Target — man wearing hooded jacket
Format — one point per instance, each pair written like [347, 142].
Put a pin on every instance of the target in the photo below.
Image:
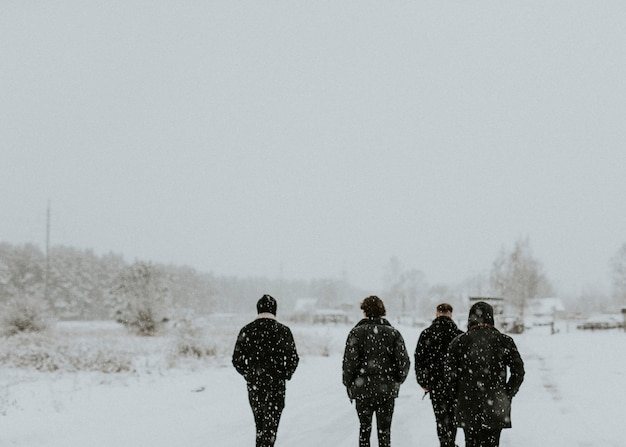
[477, 367]
[375, 364]
[265, 355]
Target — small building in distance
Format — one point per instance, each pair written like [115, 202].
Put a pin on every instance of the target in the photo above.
[543, 311]
[325, 316]
[304, 310]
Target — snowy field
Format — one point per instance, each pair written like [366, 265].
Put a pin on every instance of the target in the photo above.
[574, 394]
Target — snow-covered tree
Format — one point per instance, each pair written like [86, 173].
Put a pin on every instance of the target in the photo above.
[21, 271]
[141, 297]
[80, 281]
[25, 308]
[191, 290]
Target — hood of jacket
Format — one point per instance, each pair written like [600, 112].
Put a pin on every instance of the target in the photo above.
[480, 313]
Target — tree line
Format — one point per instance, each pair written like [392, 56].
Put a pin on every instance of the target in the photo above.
[70, 283]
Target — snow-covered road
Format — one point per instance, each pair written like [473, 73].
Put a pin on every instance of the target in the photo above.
[573, 395]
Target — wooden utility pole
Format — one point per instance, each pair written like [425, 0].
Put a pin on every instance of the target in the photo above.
[47, 272]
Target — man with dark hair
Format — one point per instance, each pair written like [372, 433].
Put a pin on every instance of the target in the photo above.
[375, 364]
[265, 355]
[476, 365]
[430, 353]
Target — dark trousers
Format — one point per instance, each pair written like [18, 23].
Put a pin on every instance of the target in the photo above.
[365, 409]
[267, 405]
[443, 407]
[484, 437]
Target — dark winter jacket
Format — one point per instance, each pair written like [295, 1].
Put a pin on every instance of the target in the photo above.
[375, 361]
[265, 352]
[477, 369]
[430, 352]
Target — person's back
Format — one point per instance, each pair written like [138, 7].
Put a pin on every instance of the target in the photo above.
[374, 365]
[482, 376]
[265, 355]
[265, 351]
[477, 367]
[431, 349]
[430, 353]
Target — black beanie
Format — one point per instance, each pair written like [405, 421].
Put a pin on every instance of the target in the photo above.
[480, 313]
[267, 304]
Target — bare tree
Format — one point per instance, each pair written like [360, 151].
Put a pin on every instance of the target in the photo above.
[618, 274]
[413, 291]
[407, 288]
[518, 276]
[393, 280]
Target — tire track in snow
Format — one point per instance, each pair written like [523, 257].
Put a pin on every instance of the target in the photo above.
[560, 407]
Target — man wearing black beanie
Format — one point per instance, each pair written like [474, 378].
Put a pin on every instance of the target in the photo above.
[265, 355]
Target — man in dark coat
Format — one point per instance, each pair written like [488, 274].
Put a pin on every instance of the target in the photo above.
[375, 364]
[265, 355]
[477, 367]
[431, 350]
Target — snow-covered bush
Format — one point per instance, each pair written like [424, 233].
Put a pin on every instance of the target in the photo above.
[191, 339]
[24, 315]
[212, 337]
[45, 353]
[200, 339]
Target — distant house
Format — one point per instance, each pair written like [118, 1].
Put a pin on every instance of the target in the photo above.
[330, 316]
[305, 305]
[304, 309]
[543, 311]
[496, 302]
[545, 306]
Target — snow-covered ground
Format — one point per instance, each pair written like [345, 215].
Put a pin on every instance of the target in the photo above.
[574, 394]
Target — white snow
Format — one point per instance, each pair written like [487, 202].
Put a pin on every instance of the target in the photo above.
[574, 394]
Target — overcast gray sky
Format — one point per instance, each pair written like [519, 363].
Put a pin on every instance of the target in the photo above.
[316, 138]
